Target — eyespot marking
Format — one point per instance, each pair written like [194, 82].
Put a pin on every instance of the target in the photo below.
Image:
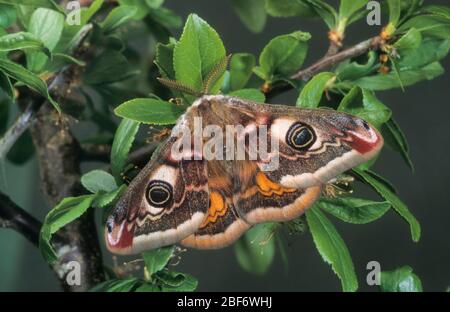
[300, 136]
[159, 193]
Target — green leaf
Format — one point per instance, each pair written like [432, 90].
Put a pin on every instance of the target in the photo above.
[148, 287]
[150, 111]
[7, 15]
[121, 146]
[28, 78]
[241, 66]
[166, 18]
[6, 85]
[396, 203]
[255, 251]
[157, 259]
[98, 181]
[407, 77]
[409, 41]
[314, 89]
[164, 60]
[103, 200]
[355, 70]
[364, 104]
[250, 94]
[198, 51]
[354, 210]
[189, 284]
[68, 210]
[394, 15]
[174, 281]
[118, 285]
[154, 4]
[88, 13]
[400, 280]
[21, 41]
[65, 58]
[430, 25]
[325, 11]
[111, 66]
[332, 248]
[252, 13]
[118, 17]
[437, 10]
[395, 139]
[429, 51]
[349, 7]
[47, 26]
[49, 4]
[287, 8]
[283, 55]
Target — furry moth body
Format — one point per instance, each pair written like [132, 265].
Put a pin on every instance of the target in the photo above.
[209, 204]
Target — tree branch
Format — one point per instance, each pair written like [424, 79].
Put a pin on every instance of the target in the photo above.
[326, 62]
[329, 61]
[15, 218]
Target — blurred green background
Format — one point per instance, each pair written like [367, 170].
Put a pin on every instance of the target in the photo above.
[423, 113]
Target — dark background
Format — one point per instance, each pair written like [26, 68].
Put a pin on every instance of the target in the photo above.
[422, 112]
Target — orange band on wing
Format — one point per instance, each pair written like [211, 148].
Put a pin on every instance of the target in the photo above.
[217, 208]
[268, 188]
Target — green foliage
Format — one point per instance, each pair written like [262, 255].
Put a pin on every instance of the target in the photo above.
[363, 103]
[157, 259]
[98, 180]
[68, 210]
[49, 4]
[150, 111]
[395, 139]
[21, 41]
[157, 276]
[400, 280]
[332, 248]
[252, 13]
[282, 56]
[118, 17]
[8, 15]
[47, 26]
[23, 75]
[100, 70]
[313, 90]
[354, 210]
[249, 94]
[241, 66]
[286, 8]
[256, 249]
[195, 55]
[385, 192]
[121, 146]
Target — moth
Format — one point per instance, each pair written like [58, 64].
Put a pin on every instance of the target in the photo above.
[209, 203]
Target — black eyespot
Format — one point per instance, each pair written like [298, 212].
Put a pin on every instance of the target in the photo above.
[159, 193]
[300, 136]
